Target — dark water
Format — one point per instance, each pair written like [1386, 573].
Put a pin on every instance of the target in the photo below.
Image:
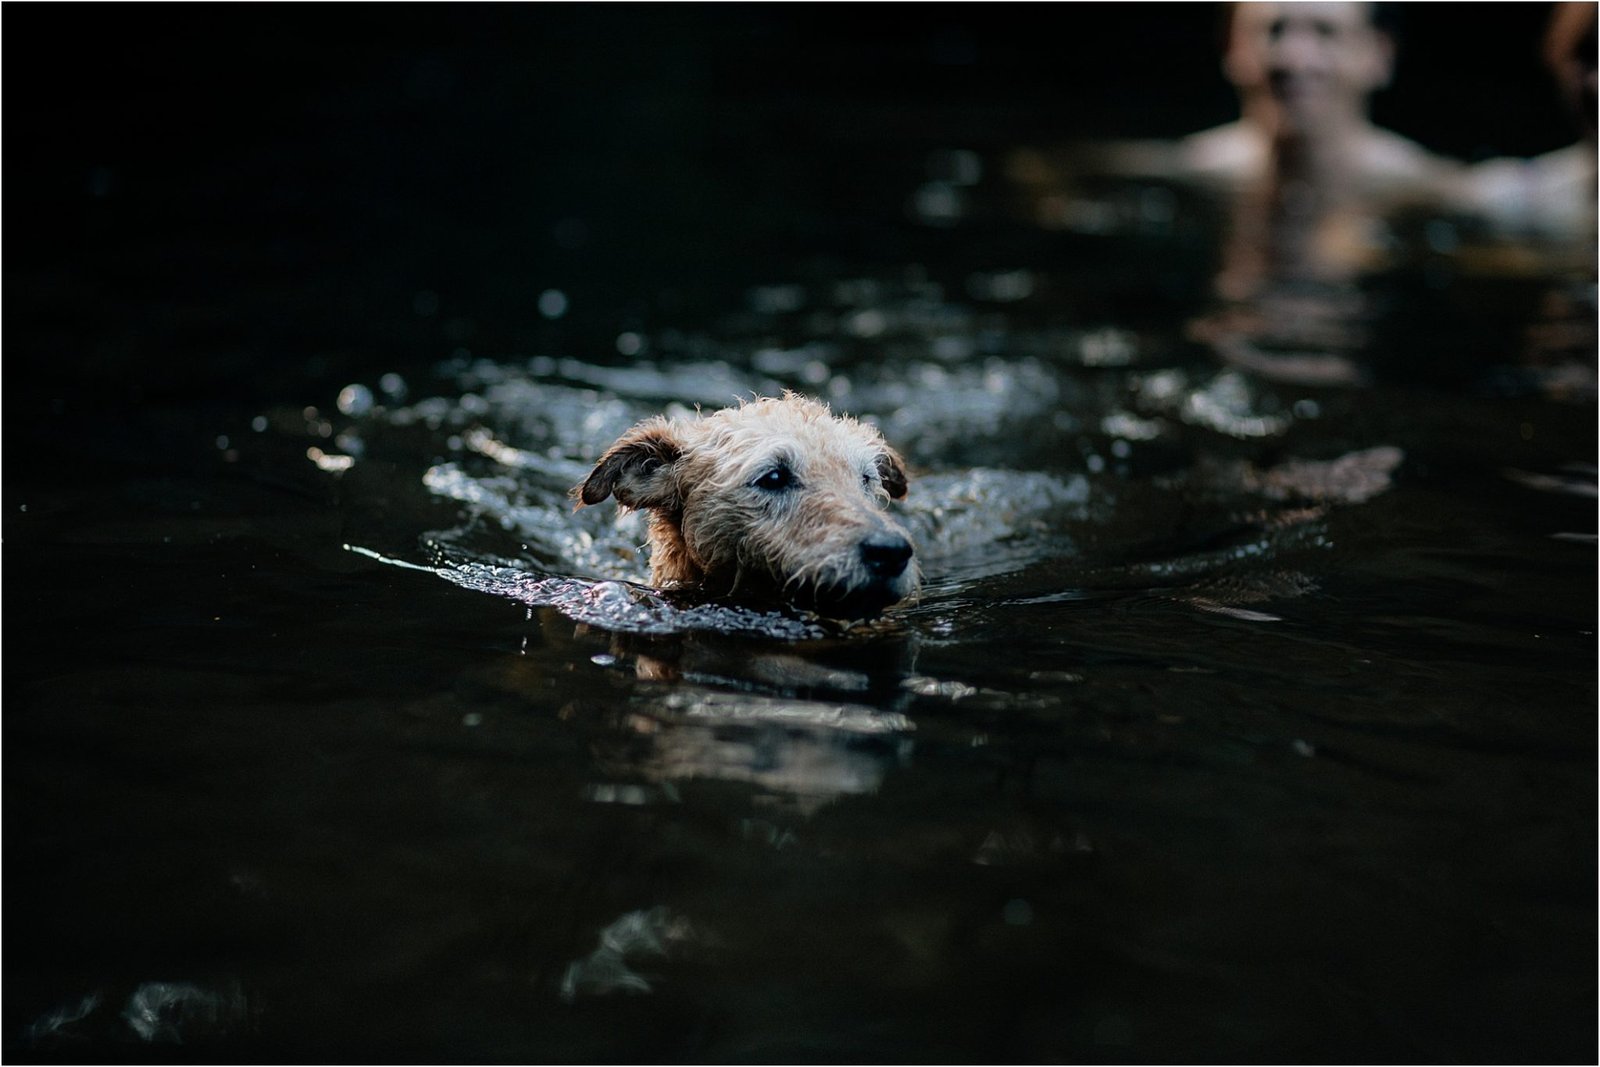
[1247, 712]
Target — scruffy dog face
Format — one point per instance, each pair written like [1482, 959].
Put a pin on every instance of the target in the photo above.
[773, 498]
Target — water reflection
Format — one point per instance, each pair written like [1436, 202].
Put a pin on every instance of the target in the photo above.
[800, 724]
[807, 752]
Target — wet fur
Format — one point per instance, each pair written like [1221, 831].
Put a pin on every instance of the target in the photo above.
[713, 529]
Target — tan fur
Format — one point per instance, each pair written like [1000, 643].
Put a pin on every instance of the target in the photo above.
[823, 539]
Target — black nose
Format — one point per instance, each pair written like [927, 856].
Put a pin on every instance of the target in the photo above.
[885, 555]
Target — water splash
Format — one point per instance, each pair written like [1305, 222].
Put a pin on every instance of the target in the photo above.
[621, 607]
[175, 1013]
[63, 1023]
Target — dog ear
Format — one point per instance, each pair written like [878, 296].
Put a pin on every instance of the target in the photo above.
[637, 470]
[892, 470]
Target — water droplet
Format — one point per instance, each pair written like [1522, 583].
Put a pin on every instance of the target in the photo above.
[333, 464]
[552, 303]
[355, 400]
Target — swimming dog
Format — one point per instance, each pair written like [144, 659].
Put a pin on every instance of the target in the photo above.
[777, 498]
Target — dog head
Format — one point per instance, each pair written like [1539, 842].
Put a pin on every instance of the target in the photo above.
[776, 498]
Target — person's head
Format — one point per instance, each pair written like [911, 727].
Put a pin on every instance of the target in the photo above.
[1569, 49]
[1305, 69]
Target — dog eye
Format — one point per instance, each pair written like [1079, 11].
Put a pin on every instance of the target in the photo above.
[775, 480]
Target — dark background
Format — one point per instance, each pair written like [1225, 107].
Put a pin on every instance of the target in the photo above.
[258, 202]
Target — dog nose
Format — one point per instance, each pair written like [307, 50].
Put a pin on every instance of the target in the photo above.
[885, 555]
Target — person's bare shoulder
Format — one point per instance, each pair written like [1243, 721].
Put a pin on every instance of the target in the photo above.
[1552, 194]
[1389, 159]
[1230, 152]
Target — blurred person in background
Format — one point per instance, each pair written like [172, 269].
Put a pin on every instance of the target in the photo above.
[1308, 174]
[1305, 74]
[1312, 184]
[1313, 175]
[1316, 195]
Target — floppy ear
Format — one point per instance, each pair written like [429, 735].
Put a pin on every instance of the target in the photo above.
[637, 470]
[892, 469]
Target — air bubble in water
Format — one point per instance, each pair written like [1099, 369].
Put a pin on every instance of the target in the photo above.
[355, 400]
[552, 303]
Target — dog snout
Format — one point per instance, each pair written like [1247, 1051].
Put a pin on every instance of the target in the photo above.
[885, 555]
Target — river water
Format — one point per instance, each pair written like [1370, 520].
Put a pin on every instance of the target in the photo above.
[1247, 711]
